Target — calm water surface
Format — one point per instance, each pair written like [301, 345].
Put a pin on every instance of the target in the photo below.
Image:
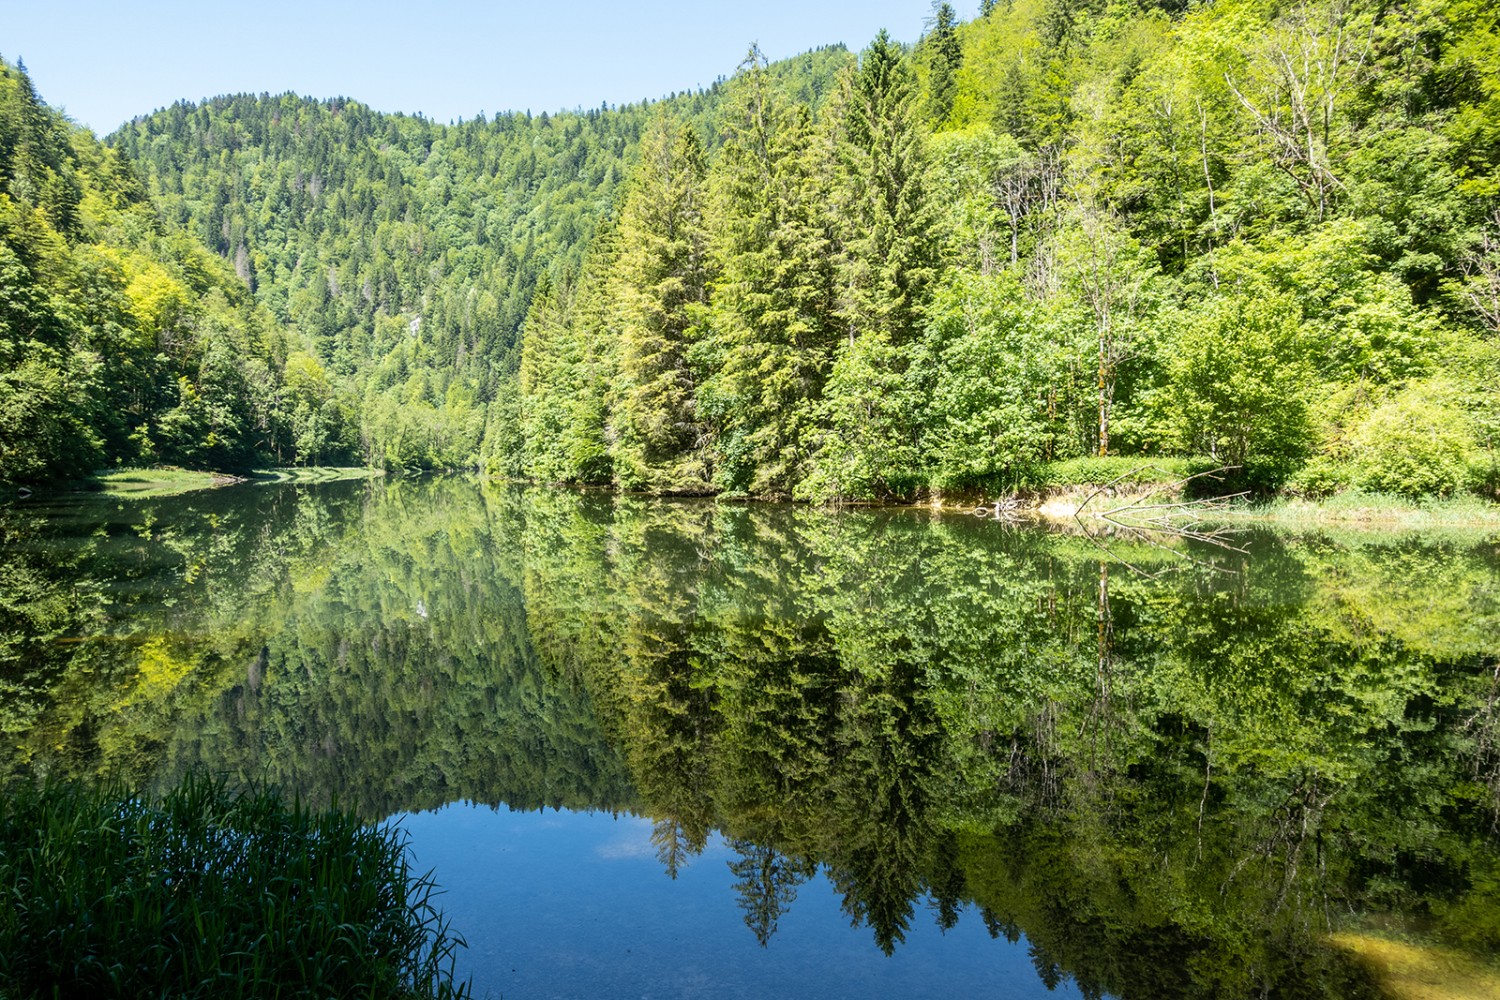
[672, 749]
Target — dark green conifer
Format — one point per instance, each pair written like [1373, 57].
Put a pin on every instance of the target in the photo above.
[773, 324]
[945, 55]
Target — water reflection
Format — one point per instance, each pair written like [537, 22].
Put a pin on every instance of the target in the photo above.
[1174, 776]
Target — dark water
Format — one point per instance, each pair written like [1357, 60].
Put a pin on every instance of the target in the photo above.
[684, 749]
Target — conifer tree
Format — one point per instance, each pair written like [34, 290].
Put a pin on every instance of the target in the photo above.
[891, 251]
[945, 57]
[773, 324]
[866, 439]
[662, 283]
[543, 383]
[590, 354]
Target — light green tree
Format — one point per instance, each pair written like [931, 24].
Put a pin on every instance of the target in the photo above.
[662, 272]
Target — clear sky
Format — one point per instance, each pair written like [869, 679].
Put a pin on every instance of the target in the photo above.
[105, 62]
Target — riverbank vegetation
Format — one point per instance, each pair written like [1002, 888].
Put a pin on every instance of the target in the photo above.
[205, 892]
[1264, 236]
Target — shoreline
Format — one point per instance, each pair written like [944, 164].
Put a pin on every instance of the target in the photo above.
[1053, 504]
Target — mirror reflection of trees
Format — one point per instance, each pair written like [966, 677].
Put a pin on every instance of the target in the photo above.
[1175, 776]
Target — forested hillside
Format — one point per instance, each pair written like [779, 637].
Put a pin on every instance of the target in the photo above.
[122, 340]
[1263, 234]
[404, 251]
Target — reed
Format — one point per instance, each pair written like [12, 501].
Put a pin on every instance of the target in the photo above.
[210, 892]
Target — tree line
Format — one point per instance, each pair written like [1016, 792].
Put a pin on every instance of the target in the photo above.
[1264, 235]
[122, 339]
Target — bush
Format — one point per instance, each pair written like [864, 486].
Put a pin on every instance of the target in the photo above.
[1122, 470]
[1321, 477]
[1484, 474]
[209, 893]
[1238, 387]
[1414, 445]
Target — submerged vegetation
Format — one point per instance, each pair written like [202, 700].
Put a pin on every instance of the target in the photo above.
[204, 893]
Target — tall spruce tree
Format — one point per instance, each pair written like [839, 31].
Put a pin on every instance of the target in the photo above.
[945, 56]
[544, 383]
[773, 324]
[891, 249]
[865, 441]
[659, 443]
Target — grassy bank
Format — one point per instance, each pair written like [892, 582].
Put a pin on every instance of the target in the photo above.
[171, 481]
[206, 892]
[1409, 971]
[1376, 510]
[158, 482]
[1096, 485]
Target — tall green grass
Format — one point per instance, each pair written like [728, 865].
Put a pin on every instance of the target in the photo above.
[208, 892]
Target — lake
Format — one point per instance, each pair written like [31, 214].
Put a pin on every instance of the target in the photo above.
[677, 748]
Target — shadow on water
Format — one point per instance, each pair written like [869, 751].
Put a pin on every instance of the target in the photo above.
[1176, 768]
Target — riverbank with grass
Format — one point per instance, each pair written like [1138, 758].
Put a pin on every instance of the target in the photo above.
[1375, 510]
[159, 482]
[1131, 489]
[208, 892]
[1411, 971]
[162, 482]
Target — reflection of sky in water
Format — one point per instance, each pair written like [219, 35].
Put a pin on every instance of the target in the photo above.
[570, 905]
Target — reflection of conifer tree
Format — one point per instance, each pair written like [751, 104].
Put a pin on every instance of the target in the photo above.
[775, 666]
[998, 928]
[767, 885]
[667, 720]
[886, 749]
[1046, 969]
[673, 845]
[945, 879]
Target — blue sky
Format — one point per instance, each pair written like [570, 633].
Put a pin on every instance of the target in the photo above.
[105, 62]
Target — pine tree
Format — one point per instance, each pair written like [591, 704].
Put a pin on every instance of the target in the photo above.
[662, 284]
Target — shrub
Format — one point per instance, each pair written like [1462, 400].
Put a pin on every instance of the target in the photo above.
[1238, 387]
[1121, 470]
[1416, 444]
[1321, 477]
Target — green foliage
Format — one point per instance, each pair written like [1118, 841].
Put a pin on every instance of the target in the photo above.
[207, 892]
[865, 443]
[772, 325]
[944, 58]
[1126, 750]
[890, 251]
[1116, 470]
[984, 369]
[1237, 386]
[663, 271]
[534, 294]
[1418, 443]
[123, 340]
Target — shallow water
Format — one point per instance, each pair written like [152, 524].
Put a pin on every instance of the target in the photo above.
[660, 748]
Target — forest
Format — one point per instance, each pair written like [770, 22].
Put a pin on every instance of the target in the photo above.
[1264, 235]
